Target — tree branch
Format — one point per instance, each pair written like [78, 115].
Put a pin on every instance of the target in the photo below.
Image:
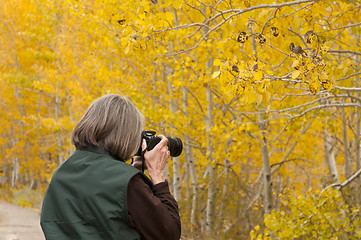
[284, 160]
[343, 27]
[339, 186]
[345, 52]
[241, 11]
[199, 104]
[233, 12]
[347, 77]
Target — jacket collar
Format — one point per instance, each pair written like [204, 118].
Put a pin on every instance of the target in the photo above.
[97, 149]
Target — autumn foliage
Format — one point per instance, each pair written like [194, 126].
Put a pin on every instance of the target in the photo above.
[264, 94]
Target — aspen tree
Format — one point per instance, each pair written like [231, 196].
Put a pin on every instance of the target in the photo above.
[211, 168]
[188, 154]
[330, 157]
[348, 160]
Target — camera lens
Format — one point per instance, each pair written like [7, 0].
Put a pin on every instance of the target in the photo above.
[175, 146]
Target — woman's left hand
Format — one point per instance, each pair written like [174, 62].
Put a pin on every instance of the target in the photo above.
[156, 160]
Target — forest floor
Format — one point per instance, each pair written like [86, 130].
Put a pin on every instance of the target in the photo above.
[19, 223]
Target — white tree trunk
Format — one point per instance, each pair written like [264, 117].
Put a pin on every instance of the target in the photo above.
[188, 154]
[176, 179]
[195, 187]
[15, 173]
[348, 160]
[211, 170]
[330, 157]
[358, 122]
[267, 175]
[357, 139]
[175, 160]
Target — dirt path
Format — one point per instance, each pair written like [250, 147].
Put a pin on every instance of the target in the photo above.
[18, 223]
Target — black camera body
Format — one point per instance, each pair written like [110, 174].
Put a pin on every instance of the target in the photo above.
[175, 145]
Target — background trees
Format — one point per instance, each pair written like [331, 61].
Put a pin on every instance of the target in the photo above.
[265, 96]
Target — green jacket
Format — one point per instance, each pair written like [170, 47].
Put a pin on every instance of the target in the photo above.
[87, 199]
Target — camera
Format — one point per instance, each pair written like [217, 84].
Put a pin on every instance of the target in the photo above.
[175, 145]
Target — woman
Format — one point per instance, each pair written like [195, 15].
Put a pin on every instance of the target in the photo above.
[96, 195]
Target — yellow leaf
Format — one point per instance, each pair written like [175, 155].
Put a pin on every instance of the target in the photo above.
[323, 77]
[166, 4]
[328, 85]
[296, 73]
[314, 86]
[324, 49]
[259, 98]
[251, 98]
[169, 17]
[141, 15]
[266, 96]
[295, 63]
[220, 45]
[217, 62]
[126, 50]
[258, 75]
[304, 79]
[177, 3]
[252, 234]
[216, 74]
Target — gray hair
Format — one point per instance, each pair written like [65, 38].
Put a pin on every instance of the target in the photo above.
[113, 123]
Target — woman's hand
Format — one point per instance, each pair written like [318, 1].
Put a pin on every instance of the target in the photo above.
[157, 159]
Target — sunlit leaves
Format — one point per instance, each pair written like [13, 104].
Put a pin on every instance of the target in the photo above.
[216, 74]
[314, 85]
[296, 73]
[258, 75]
[319, 215]
[245, 78]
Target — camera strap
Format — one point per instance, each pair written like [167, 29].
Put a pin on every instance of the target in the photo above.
[143, 160]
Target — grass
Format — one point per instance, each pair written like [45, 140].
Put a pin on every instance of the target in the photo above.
[22, 196]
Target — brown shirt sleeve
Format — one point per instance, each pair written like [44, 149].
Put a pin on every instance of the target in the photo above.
[153, 212]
